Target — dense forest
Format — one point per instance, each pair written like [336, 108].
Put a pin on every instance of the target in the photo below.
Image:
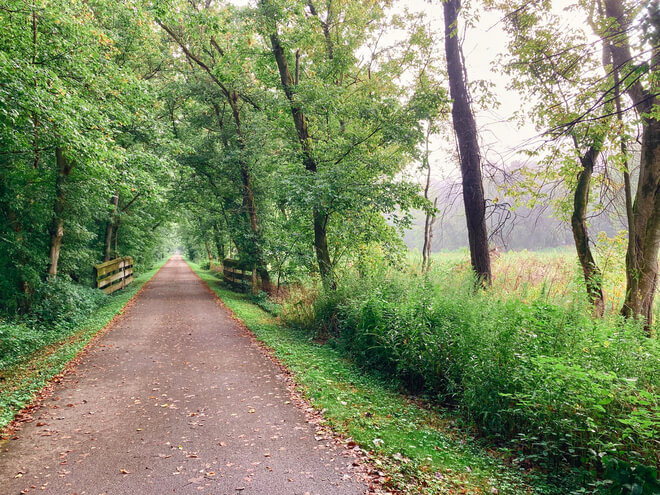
[333, 149]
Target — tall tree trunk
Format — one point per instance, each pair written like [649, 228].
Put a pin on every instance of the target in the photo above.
[110, 226]
[592, 274]
[627, 188]
[219, 245]
[642, 265]
[64, 168]
[320, 217]
[249, 204]
[466, 133]
[426, 247]
[209, 254]
[644, 236]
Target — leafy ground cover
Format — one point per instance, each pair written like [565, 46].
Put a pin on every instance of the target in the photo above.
[33, 351]
[421, 450]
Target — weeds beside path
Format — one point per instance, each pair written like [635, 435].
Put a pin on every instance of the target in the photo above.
[418, 450]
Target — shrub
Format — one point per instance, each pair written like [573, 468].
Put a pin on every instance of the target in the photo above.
[17, 341]
[57, 307]
[264, 302]
[62, 303]
[555, 385]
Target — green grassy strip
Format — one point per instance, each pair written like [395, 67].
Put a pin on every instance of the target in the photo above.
[21, 382]
[421, 451]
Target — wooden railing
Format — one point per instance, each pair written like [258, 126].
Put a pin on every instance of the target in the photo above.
[114, 274]
[233, 273]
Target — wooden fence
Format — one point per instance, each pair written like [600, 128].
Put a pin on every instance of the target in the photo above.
[236, 274]
[114, 274]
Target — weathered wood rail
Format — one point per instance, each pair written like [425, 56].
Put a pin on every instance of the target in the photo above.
[114, 274]
[236, 274]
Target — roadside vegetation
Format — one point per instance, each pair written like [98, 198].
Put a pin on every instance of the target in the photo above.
[419, 450]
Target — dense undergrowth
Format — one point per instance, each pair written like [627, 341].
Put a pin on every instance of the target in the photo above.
[554, 386]
[60, 305]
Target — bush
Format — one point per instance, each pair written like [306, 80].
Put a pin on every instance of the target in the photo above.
[551, 383]
[58, 306]
[62, 303]
[17, 341]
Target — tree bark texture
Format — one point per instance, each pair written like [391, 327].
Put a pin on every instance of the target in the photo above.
[64, 168]
[591, 272]
[468, 144]
[644, 232]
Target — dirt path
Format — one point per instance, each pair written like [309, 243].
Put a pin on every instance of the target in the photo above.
[174, 399]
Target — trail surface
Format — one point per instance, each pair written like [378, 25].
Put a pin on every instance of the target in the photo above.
[176, 398]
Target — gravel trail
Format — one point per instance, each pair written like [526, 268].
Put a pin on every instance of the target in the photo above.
[175, 398]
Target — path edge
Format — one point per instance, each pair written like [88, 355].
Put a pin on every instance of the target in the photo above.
[363, 464]
[24, 415]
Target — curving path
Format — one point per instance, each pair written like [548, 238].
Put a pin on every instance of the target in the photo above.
[174, 399]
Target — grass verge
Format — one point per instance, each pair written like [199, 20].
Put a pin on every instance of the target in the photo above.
[21, 382]
[420, 451]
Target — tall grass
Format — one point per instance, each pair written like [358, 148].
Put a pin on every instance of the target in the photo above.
[553, 275]
[524, 362]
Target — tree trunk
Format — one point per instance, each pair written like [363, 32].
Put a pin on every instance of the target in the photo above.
[428, 221]
[209, 255]
[592, 274]
[115, 253]
[428, 242]
[109, 228]
[64, 168]
[219, 245]
[642, 256]
[255, 280]
[466, 134]
[232, 98]
[644, 231]
[320, 217]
